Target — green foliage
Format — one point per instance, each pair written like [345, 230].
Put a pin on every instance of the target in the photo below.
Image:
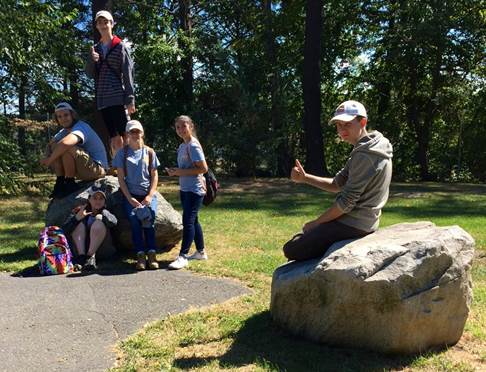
[11, 165]
[417, 66]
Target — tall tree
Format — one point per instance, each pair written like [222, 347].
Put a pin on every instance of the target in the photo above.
[185, 41]
[283, 160]
[315, 162]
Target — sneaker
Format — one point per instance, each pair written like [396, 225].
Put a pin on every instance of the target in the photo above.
[141, 262]
[67, 189]
[179, 263]
[90, 264]
[152, 261]
[57, 187]
[198, 256]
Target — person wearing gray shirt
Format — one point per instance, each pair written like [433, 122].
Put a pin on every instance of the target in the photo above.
[362, 187]
[75, 151]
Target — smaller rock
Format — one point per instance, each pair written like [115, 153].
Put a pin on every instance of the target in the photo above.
[168, 222]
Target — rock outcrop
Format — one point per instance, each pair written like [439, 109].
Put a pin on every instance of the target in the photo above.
[404, 289]
[168, 222]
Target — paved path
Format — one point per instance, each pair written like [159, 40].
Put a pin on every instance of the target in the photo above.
[72, 322]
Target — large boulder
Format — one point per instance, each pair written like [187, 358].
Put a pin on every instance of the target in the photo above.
[168, 222]
[404, 289]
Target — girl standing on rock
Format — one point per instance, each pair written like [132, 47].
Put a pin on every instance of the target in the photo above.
[137, 174]
[191, 167]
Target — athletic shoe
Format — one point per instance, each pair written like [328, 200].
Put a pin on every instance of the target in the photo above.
[90, 264]
[152, 263]
[179, 263]
[198, 256]
[141, 263]
[67, 189]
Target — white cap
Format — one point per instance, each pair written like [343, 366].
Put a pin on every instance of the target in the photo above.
[105, 14]
[63, 106]
[348, 110]
[133, 124]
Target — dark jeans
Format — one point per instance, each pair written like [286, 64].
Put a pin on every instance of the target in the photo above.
[115, 119]
[192, 232]
[136, 226]
[316, 242]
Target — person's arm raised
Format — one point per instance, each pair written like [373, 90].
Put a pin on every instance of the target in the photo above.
[299, 175]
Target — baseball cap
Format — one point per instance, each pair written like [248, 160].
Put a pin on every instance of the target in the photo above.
[63, 106]
[133, 124]
[105, 14]
[348, 110]
[97, 190]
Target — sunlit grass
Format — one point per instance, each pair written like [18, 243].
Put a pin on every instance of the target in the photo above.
[244, 232]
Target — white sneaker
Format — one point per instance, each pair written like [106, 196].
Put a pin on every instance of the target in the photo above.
[178, 263]
[198, 256]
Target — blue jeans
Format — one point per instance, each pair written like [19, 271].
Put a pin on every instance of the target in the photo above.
[136, 225]
[192, 231]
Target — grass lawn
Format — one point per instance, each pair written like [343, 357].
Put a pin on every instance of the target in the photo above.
[244, 231]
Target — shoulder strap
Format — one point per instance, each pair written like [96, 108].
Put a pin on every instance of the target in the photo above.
[151, 159]
[125, 154]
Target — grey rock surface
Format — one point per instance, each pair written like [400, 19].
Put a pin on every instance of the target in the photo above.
[72, 322]
[168, 222]
[404, 289]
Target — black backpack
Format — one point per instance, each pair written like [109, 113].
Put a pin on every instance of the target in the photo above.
[212, 187]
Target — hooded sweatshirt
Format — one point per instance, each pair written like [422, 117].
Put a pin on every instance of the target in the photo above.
[113, 75]
[364, 182]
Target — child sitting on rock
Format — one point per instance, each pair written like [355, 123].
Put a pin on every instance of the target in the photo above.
[88, 226]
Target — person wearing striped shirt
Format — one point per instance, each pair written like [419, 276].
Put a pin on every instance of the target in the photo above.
[111, 66]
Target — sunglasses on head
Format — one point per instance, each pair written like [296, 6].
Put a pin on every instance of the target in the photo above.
[97, 188]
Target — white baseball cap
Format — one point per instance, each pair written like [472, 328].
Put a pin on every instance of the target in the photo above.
[133, 124]
[105, 14]
[63, 106]
[348, 110]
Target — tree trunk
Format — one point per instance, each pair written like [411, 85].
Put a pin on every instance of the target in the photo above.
[315, 162]
[22, 99]
[73, 87]
[284, 161]
[186, 61]
[421, 130]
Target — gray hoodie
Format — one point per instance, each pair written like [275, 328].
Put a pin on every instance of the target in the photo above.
[364, 182]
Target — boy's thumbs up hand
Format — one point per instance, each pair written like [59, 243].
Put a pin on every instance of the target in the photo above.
[298, 173]
[95, 55]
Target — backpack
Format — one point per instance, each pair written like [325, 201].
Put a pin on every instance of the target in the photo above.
[210, 182]
[212, 187]
[54, 254]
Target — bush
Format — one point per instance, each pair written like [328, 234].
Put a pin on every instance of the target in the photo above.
[11, 166]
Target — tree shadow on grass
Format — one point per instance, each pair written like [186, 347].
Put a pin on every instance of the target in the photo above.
[27, 252]
[260, 341]
[112, 266]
